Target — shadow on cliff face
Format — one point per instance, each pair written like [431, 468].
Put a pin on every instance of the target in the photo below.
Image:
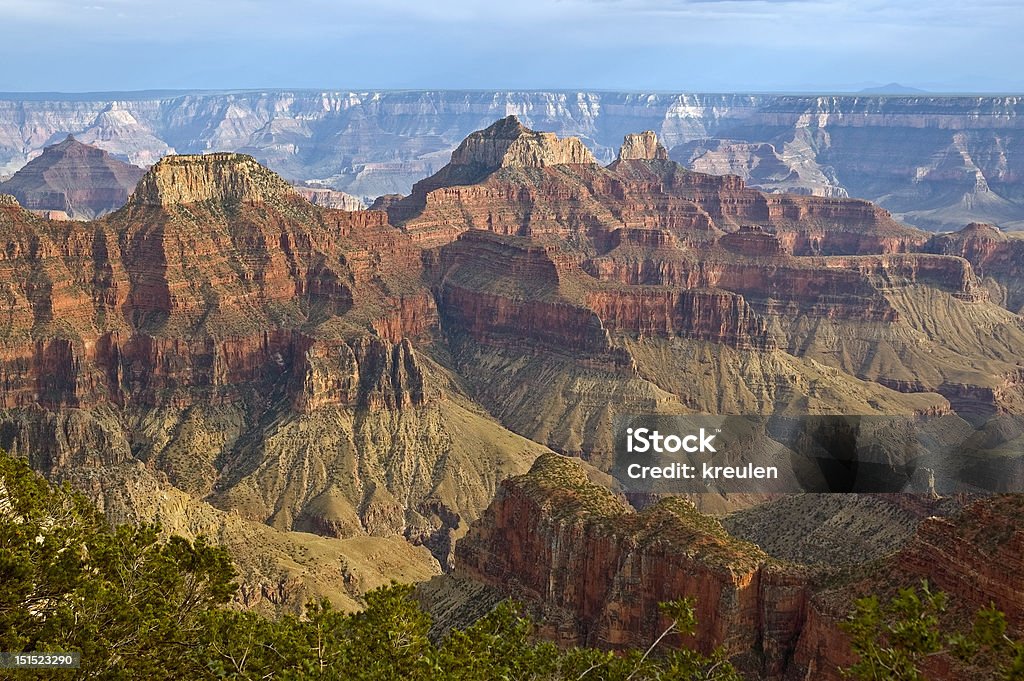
[831, 454]
[7, 434]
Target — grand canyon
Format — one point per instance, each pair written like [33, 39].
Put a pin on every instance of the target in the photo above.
[424, 390]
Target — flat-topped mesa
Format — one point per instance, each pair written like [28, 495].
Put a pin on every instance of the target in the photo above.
[509, 144]
[642, 146]
[221, 177]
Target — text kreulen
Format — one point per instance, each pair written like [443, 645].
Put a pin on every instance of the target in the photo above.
[644, 440]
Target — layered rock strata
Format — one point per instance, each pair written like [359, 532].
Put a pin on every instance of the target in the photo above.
[938, 161]
[597, 569]
[974, 556]
[582, 552]
[261, 355]
[655, 251]
[73, 180]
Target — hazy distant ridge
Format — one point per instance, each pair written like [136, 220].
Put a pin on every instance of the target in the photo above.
[938, 160]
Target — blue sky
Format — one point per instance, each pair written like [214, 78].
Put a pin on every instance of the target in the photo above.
[675, 45]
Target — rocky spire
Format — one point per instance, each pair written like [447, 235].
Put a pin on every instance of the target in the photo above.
[509, 144]
[642, 146]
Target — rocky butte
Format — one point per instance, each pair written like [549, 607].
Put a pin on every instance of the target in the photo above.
[353, 387]
[73, 180]
[643, 147]
[237, 361]
[600, 568]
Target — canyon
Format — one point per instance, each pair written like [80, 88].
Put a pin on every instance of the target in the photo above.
[935, 161]
[345, 397]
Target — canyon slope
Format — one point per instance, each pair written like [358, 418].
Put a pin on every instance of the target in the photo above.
[681, 292]
[339, 395]
[224, 357]
[938, 162]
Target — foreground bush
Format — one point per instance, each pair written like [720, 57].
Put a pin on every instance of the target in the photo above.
[139, 607]
[895, 640]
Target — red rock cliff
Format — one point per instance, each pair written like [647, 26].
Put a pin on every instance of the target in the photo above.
[977, 557]
[598, 569]
[552, 536]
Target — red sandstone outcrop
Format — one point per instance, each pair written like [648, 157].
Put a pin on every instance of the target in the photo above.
[144, 371]
[995, 256]
[367, 372]
[945, 272]
[782, 286]
[505, 291]
[717, 316]
[540, 296]
[553, 536]
[412, 316]
[976, 242]
[754, 241]
[976, 557]
[238, 285]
